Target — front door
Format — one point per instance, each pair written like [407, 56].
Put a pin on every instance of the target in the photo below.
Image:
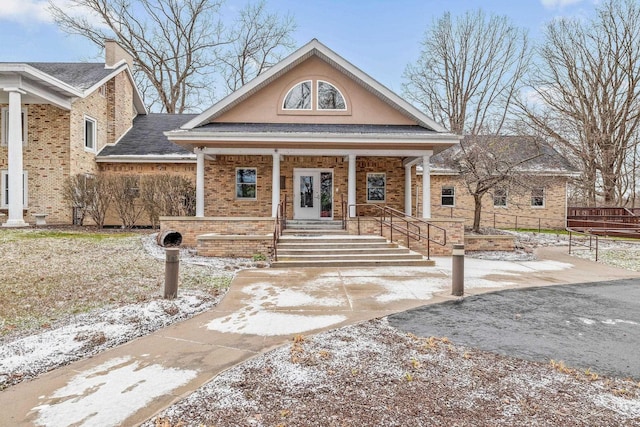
[313, 194]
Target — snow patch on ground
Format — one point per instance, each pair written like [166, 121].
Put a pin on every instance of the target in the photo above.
[255, 318]
[90, 333]
[88, 399]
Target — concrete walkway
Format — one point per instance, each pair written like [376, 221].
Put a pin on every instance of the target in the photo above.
[263, 309]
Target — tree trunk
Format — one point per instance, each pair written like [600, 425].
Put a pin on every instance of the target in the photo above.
[477, 198]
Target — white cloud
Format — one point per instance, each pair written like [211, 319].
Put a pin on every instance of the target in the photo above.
[558, 4]
[25, 11]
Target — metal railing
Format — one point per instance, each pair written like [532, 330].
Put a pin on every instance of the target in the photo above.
[414, 229]
[590, 245]
[280, 225]
[505, 220]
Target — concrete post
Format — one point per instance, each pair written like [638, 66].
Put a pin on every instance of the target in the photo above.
[171, 270]
[426, 187]
[275, 185]
[457, 271]
[407, 190]
[15, 160]
[351, 185]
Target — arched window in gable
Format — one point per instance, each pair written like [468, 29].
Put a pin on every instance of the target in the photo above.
[329, 97]
[298, 97]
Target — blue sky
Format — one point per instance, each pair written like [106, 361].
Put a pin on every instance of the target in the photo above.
[379, 36]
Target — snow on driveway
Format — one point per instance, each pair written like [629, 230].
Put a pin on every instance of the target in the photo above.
[91, 397]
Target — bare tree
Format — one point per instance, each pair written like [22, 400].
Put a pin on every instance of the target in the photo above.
[468, 72]
[126, 198]
[587, 93]
[467, 76]
[176, 44]
[258, 40]
[488, 163]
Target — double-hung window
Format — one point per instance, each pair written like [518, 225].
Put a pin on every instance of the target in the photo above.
[246, 183]
[376, 187]
[4, 184]
[90, 132]
[448, 196]
[500, 197]
[537, 198]
[4, 118]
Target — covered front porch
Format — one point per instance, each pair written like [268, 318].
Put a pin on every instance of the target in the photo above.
[240, 196]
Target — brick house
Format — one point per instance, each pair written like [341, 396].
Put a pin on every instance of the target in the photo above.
[55, 118]
[538, 199]
[313, 130]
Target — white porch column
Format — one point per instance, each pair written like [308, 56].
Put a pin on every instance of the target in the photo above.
[407, 190]
[351, 186]
[14, 158]
[275, 186]
[199, 183]
[426, 187]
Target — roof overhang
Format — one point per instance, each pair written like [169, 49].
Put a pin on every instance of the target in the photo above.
[169, 158]
[318, 141]
[39, 87]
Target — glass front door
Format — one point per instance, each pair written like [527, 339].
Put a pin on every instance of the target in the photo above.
[313, 198]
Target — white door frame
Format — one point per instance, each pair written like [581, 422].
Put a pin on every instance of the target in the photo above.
[314, 213]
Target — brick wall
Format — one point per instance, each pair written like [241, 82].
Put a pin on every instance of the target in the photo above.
[220, 197]
[239, 246]
[46, 160]
[191, 227]
[489, 243]
[55, 145]
[552, 215]
[120, 112]
[187, 170]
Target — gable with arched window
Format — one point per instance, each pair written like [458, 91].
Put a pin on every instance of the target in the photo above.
[316, 95]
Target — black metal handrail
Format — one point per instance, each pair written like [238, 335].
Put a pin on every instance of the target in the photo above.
[408, 226]
[578, 243]
[280, 225]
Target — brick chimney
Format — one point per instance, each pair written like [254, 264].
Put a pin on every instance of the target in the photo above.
[114, 53]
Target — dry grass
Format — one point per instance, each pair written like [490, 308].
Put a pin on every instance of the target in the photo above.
[48, 275]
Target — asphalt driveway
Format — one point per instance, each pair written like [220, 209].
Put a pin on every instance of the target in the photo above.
[592, 325]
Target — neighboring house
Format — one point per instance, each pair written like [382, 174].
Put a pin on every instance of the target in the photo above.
[55, 118]
[538, 200]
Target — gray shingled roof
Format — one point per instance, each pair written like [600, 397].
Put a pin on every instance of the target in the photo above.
[513, 148]
[146, 137]
[312, 128]
[81, 75]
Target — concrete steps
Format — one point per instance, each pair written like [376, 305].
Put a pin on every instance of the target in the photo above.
[317, 247]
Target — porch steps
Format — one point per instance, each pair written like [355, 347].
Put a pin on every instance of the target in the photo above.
[313, 227]
[326, 250]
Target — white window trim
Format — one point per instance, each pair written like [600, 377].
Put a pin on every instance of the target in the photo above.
[4, 202]
[544, 199]
[318, 97]
[95, 133]
[452, 196]
[384, 187]
[284, 107]
[235, 186]
[5, 120]
[506, 199]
